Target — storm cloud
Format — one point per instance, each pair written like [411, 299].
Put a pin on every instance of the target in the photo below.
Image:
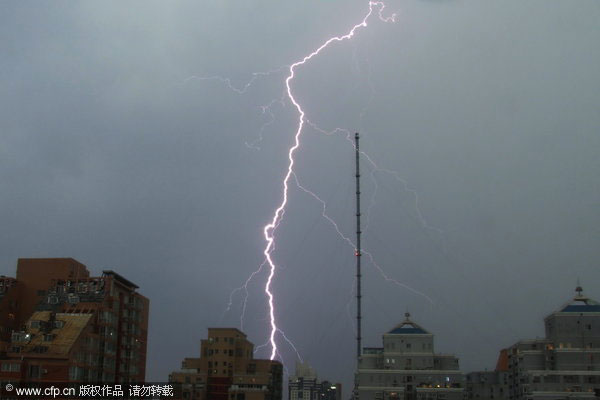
[111, 153]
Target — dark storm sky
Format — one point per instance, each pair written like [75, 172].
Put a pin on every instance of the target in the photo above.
[488, 110]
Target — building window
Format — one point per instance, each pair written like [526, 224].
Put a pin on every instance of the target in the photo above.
[251, 368]
[35, 371]
[20, 337]
[40, 349]
[11, 367]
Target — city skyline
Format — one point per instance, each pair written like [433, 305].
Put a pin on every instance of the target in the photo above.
[36, 293]
[118, 149]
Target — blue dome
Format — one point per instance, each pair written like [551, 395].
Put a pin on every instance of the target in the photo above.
[407, 327]
[580, 304]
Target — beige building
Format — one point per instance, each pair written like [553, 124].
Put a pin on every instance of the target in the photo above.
[226, 370]
[563, 365]
[407, 368]
[305, 385]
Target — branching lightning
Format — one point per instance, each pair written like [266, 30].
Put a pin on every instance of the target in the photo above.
[227, 81]
[374, 8]
[270, 228]
[244, 287]
[351, 243]
[376, 168]
[266, 109]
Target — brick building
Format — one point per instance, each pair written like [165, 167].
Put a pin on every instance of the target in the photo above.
[52, 348]
[226, 370]
[54, 314]
[10, 292]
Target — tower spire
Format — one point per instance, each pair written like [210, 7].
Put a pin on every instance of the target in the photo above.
[358, 250]
[357, 253]
[579, 289]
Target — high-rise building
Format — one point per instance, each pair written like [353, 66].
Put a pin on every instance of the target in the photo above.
[305, 385]
[10, 293]
[331, 391]
[563, 365]
[406, 367]
[47, 301]
[226, 370]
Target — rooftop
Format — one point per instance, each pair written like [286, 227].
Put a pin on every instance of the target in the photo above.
[63, 334]
[580, 304]
[407, 327]
[120, 279]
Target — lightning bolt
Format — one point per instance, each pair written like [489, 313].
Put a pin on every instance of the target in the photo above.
[269, 229]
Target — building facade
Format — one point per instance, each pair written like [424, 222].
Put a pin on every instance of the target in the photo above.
[563, 365]
[406, 367]
[226, 370]
[52, 348]
[305, 385]
[47, 291]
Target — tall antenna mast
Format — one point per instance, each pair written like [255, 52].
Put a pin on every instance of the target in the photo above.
[358, 252]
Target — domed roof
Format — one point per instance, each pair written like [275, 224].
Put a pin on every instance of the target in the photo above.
[580, 304]
[407, 327]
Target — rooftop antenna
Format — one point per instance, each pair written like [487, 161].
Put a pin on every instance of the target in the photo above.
[579, 289]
